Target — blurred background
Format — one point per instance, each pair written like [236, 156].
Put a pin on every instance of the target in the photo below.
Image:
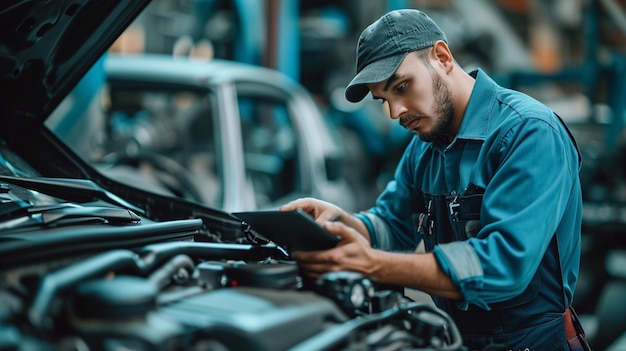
[566, 53]
[569, 54]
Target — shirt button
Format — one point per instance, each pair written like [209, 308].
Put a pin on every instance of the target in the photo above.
[453, 193]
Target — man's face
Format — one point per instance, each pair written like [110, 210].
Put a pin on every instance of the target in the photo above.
[417, 95]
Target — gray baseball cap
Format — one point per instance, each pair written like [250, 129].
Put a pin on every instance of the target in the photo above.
[385, 43]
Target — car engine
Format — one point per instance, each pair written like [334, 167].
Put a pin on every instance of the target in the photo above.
[92, 276]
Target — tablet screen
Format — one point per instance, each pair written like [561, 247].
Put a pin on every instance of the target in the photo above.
[291, 230]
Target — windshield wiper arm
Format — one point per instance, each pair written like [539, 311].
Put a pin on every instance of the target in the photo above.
[77, 190]
[66, 213]
[112, 215]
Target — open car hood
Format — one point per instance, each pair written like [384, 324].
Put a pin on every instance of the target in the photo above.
[46, 46]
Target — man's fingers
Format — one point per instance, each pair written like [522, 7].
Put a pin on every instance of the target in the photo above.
[303, 204]
[307, 256]
[292, 206]
[339, 229]
[314, 269]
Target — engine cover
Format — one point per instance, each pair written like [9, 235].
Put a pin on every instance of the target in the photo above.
[247, 318]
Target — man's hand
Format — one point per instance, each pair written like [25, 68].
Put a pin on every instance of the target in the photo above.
[353, 253]
[324, 212]
[321, 211]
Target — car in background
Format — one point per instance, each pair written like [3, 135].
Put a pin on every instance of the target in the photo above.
[222, 133]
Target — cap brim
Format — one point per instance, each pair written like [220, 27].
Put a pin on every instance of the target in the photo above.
[375, 72]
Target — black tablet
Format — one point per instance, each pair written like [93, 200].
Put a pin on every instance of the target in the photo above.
[291, 230]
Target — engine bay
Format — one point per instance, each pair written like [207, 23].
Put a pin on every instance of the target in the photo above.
[207, 296]
[82, 269]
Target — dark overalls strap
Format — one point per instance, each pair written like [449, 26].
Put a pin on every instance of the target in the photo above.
[533, 319]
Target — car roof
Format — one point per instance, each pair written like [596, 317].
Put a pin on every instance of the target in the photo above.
[189, 71]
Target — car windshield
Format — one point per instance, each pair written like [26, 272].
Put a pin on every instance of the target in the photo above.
[158, 138]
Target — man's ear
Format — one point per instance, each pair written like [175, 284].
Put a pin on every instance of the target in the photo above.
[441, 53]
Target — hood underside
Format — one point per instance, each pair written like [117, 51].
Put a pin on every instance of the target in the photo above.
[47, 46]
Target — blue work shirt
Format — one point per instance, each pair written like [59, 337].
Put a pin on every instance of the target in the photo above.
[520, 152]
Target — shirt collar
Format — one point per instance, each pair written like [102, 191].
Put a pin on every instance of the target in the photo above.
[475, 123]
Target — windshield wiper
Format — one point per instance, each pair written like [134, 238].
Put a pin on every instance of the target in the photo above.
[76, 190]
[65, 213]
[110, 214]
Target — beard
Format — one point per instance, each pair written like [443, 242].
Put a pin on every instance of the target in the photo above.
[444, 110]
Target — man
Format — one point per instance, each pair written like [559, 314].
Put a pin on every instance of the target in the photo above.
[490, 186]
